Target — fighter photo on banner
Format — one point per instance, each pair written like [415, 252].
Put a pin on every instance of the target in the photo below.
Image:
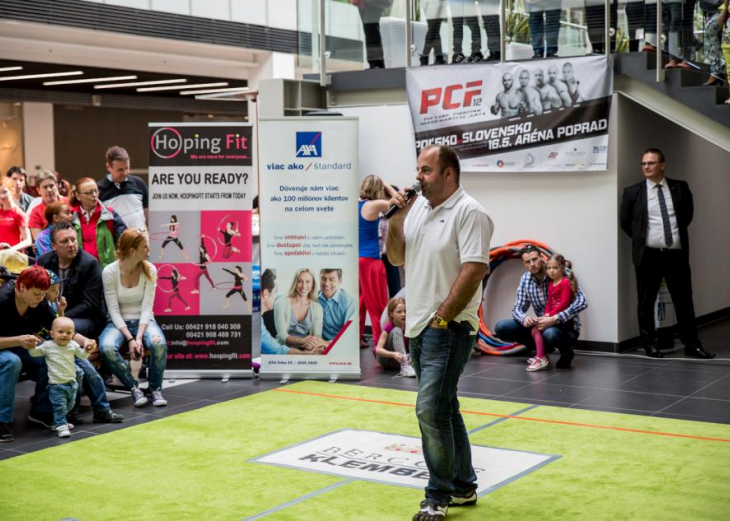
[541, 115]
[200, 241]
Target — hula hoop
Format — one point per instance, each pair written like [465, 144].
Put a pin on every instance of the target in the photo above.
[215, 250]
[219, 285]
[159, 269]
[155, 236]
[220, 230]
[487, 342]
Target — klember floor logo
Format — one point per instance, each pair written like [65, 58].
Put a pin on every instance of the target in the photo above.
[397, 460]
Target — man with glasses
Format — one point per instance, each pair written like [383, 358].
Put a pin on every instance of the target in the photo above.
[655, 214]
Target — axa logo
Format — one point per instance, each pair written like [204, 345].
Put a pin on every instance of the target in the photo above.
[309, 144]
[452, 96]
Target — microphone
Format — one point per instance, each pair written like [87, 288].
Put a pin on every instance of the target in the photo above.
[410, 193]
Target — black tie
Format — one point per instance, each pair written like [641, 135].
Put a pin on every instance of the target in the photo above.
[665, 218]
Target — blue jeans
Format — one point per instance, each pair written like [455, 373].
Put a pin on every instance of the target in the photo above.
[439, 357]
[11, 363]
[93, 385]
[111, 340]
[540, 31]
[63, 398]
[561, 337]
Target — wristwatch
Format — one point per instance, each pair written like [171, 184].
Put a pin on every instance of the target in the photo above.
[439, 321]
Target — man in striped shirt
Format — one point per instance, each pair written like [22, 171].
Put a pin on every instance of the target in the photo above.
[532, 292]
[126, 193]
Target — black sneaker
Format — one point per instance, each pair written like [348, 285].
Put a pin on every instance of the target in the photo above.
[74, 416]
[108, 417]
[475, 58]
[564, 362]
[431, 511]
[458, 58]
[43, 419]
[440, 60]
[468, 499]
[5, 435]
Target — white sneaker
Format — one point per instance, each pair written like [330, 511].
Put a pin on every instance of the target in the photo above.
[67, 425]
[139, 398]
[62, 430]
[431, 512]
[408, 371]
[157, 399]
[538, 365]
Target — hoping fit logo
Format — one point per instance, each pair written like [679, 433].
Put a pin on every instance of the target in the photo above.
[309, 144]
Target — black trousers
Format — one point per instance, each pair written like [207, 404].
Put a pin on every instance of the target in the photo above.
[596, 21]
[476, 34]
[370, 16]
[673, 267]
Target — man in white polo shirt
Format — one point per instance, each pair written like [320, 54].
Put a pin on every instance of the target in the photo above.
[442, 237]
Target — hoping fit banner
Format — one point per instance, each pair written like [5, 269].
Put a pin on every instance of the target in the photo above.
[200, 241]
[308, 188]
[541, 115]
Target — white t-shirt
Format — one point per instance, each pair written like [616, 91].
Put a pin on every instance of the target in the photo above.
[129, 303]
[438, 242]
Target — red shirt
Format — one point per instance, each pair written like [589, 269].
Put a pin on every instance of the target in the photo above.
[11, 222]
[37, 219]
[88, 229]
[559, 297]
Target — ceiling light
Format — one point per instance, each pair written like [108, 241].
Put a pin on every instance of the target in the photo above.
[210, 91]
[90, 80]
[16, 68]
[176, 87]
[48, 75]
[139, 84]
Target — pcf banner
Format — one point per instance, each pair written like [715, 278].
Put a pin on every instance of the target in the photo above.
[543, 115]
[308, 188]
[200, 241]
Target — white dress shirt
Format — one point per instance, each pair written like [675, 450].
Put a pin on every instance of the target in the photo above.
[655, 226]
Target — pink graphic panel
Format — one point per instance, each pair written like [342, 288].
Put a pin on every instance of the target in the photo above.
[166, 298]
[231, 231]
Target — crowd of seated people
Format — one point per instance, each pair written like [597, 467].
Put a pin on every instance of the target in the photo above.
[87, 278]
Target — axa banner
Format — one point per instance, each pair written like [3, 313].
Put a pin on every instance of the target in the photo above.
[308, 190]
[200, 181]
[398, 460]
[543, 115]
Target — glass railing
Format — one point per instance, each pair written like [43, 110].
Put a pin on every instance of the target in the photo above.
[370, 34]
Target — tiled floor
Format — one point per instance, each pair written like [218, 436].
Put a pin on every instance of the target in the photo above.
[672, 387]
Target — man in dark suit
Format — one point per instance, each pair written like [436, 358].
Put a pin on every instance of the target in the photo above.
[655, 214]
